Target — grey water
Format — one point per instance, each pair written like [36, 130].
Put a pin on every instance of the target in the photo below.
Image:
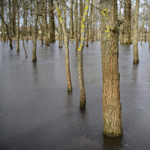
[37, 112]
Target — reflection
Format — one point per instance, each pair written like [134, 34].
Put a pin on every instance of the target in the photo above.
[135, 72]
[110, 143]
[35, 74]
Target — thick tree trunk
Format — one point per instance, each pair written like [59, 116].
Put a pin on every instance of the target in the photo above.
[135, 34]
[34, 58]
[112, 120]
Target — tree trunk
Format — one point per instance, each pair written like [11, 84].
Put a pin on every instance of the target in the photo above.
[127, 23]
[90, 20]
[51, 22]
[18, 28]
[93, 25]
[135, 34]
[81, 14]
[112, 120]
[10, 25]
[76, 23]
[149, 28]
[66, 39]
[87, 33]
[34, 58]
[60, 34]
[71, 20]
[80, 60]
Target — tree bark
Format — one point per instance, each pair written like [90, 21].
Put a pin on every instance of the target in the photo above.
[51, 22]
[112, 120]
[10, 25]
[135, 34]
[34, 58]
[149, 28]
[71, 20]
[76, 23]
[80, 59]
[66, 39]
[18, 28]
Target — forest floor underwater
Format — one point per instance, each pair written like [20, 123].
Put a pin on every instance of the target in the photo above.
[37, 112]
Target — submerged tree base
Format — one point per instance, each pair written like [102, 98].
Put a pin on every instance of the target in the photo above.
[135, 61]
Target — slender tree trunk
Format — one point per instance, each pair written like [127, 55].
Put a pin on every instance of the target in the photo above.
[18, 28]
[87, 33]
[135, 34]
[112, 120]
[149, 28]
[34, 58]
[51, 22]
[66, 39]
[60, 34]
[81, 14]
[10, 25]
[46, 26]
[93, 18]
[76, 23]
[80, 59]
[90, 19]
[71, 20]
[41, 27]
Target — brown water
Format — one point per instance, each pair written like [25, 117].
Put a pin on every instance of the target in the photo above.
[37, 112]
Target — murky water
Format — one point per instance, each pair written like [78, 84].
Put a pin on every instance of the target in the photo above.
[37, 112]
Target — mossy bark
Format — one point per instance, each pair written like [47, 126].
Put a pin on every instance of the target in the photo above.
[112, 120]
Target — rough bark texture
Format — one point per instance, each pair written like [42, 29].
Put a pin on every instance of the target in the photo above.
[126, 37]
[81, 14]
[135, 34]
[90, 19]
[66, 39]
[51, 22]
[34, 58]
[10, 25]
[112, 120]
[76, 23]
[71, 20]
[60, 34]
[80, 60]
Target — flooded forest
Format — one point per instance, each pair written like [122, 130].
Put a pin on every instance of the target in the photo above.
[74, 74]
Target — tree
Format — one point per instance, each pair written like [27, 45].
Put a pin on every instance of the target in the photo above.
[149, 27]
[135, 34]
[34, 58]
[51, 22]
[112, 120]
[80, 60]
[66, 39]
[71, 19]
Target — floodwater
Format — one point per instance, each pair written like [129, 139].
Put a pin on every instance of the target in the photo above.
[37, 112]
